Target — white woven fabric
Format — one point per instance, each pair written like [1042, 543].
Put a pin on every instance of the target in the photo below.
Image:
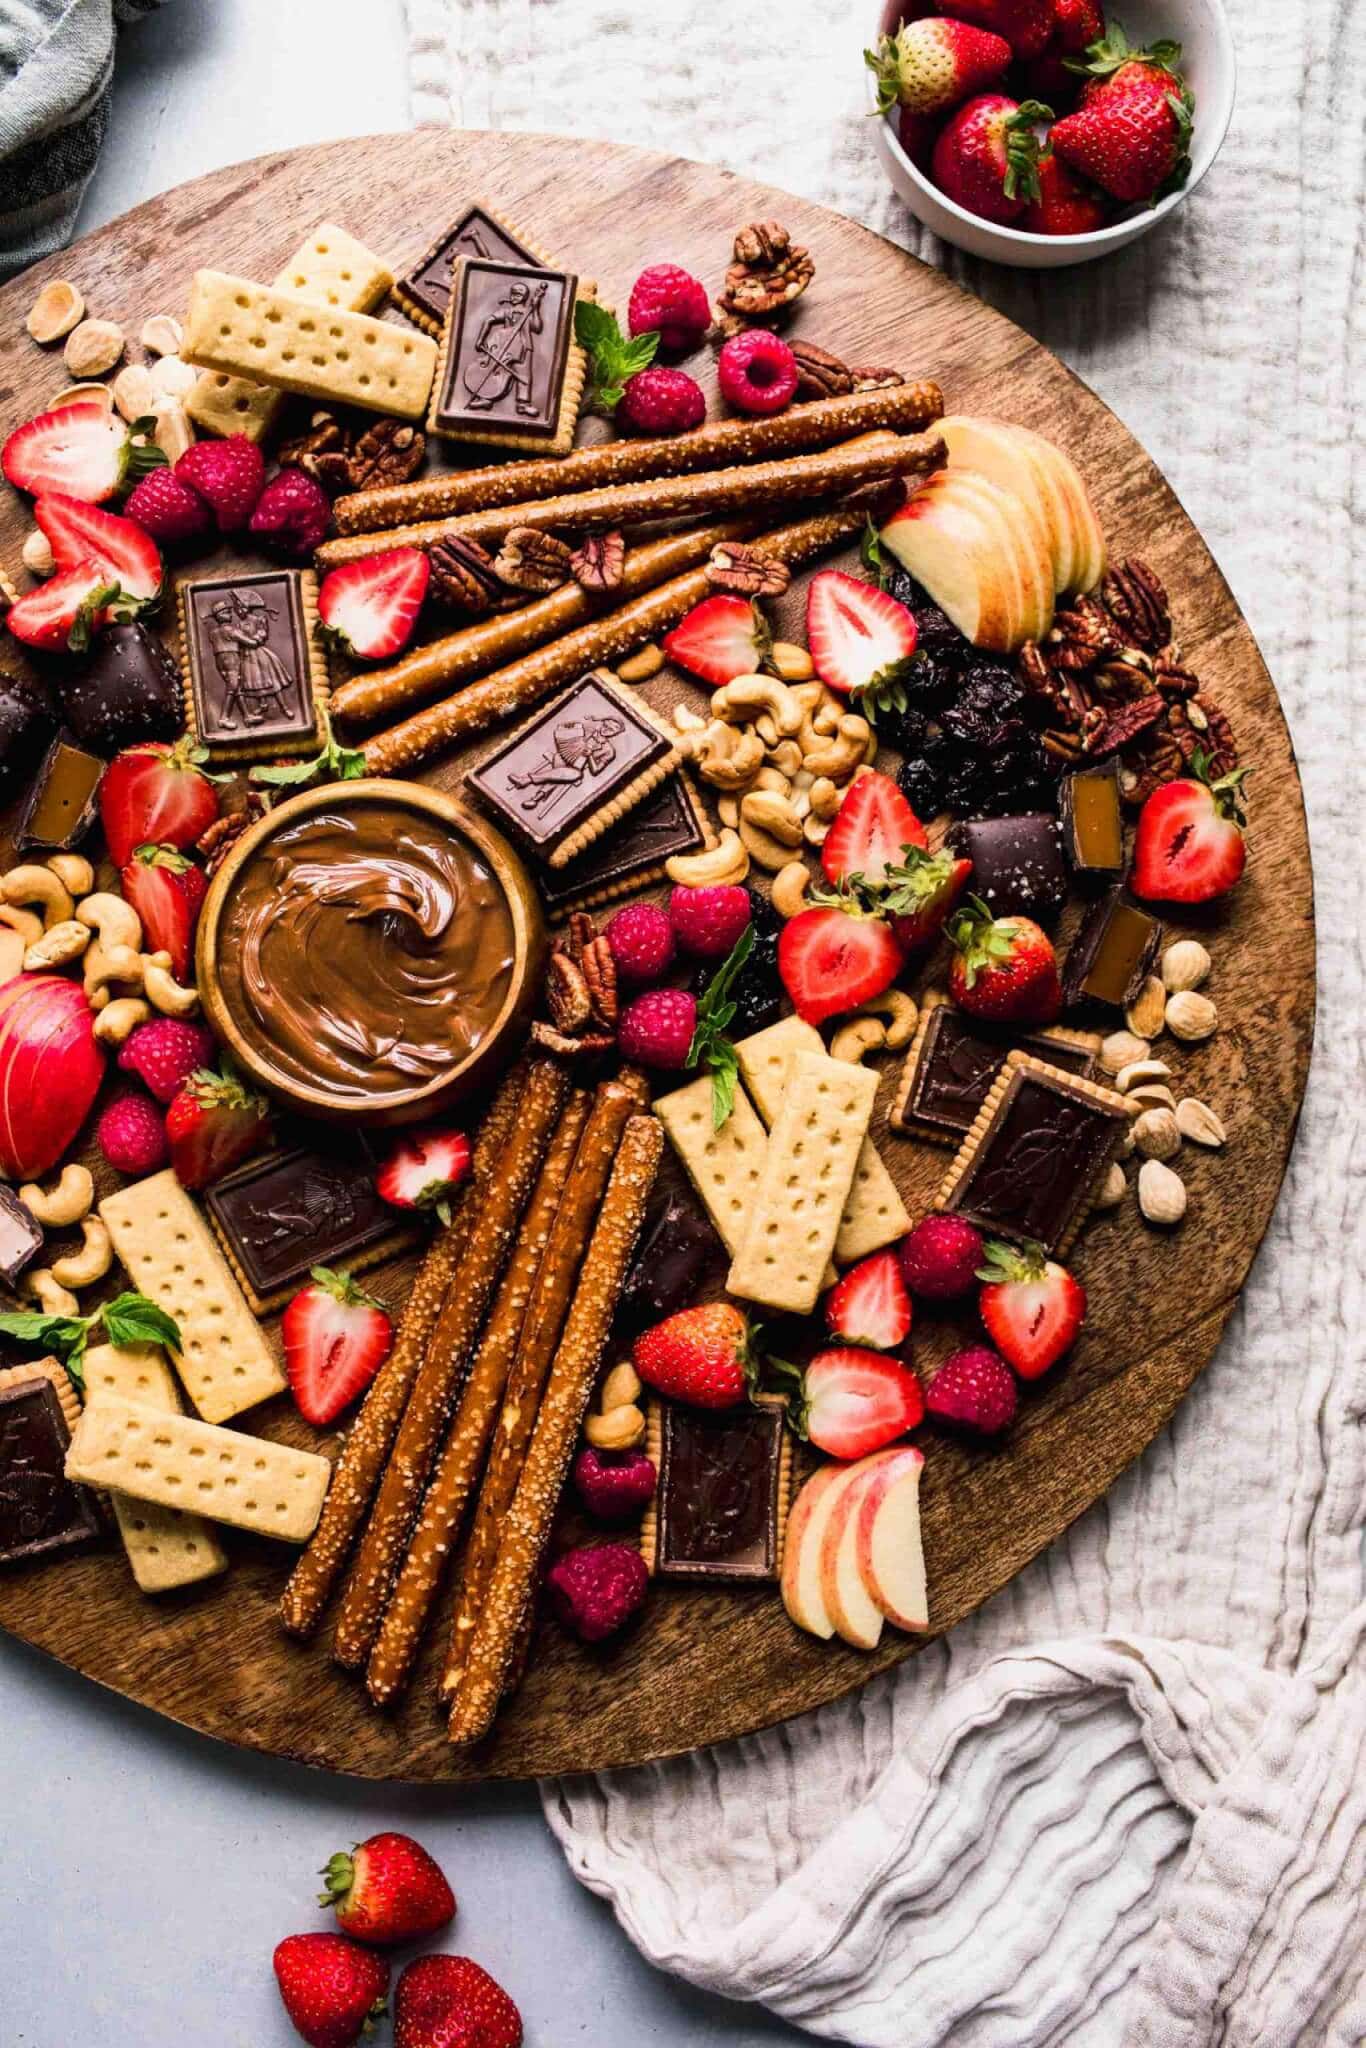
[1126, 1802]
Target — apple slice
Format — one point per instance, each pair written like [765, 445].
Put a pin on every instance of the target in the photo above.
[891, 1560]
[1088, 538]
[801, 1583]
[848, 1596]
[1025, 544]
[951, 547]
[995, 450]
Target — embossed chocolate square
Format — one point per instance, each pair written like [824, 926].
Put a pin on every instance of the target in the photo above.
[953, 1060]
[280, 1215]
[504, 371]
[1037, 1151]
[671, 820]
[42, 1513]
[586, 760]
[725, 1486]
[256, 676]
[423, 293]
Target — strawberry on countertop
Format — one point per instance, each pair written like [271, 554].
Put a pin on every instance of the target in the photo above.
[387, 1889]
[928, 66]
[167, 891]
[336, 1338]
[860, 640]
[83, 450]
[1031, 1306]
[701, 1355]
[719, 639]
[869, 1304]
[831, 959]
[987, 156]
[850, 1402]
[424, 1170]
[872, 830]
[213, 1124]
[370, 607]
[155, 794]
[1003, 968]
[450, 2002]
[1189, 845]
[80, 532]
[331, 1987]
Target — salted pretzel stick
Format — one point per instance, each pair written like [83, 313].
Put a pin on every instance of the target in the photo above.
[372, 1433]
[459, 657]
[710, 494]
[485, 1248]
[527, 1524]
[443, 1506]
[908, 408]
[523, 683]
[615, 1103]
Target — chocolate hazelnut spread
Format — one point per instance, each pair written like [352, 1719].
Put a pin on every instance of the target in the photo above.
[366, 950]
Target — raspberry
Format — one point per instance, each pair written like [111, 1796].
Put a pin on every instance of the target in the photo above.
[974, 1391]
[614, 1485]
[657, 1028]
[757, 371]
[166, 507]
[662, 402]
[229, 475]
[131, 1135]
[292, 515]
[939, 1259]
[707, 922]
[671, 301]
[166, 1052]
[642, 942]
[595, 1590]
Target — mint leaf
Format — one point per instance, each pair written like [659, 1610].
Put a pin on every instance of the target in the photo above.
[710, 1045]
[334, 764]
[56, 1333]
[131, 1319]
[870, 554]
[612, 355]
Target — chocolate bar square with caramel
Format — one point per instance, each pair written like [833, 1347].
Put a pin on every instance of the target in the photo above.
[1093, 821]
[42, 1513]
[504, 356]
[256, 677]
[1112, 954]
[953, 1060]
[62, 802]
[725, 1485]
[424, 292]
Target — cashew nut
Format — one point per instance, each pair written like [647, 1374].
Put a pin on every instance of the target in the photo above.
[740, 701]
[163, 991]
[620, 1388]
[843, 752]
[688, 720]
[766, 729]
[106, 964]
[29, 927]
[32, 884]
[815, 830]
[786, 757]
[619, 1429]
[728, 810]
[73, 871]
[66, 1203]
[50, 1295]
[118, 1020]
[854, 1039]
[901, 1012]
[772, 778]
[825, 798]
[771, 812]
[788, 894]
[91, 1262]
[792, 663]
[727, 861]
[727, 756]
[762, 846]
[58, 946]
[115, 922]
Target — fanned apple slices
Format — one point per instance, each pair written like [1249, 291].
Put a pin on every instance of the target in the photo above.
[1000, 534]
[852, 1560]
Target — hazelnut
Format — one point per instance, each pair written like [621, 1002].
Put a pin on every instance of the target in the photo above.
[1144, 1014]
[1191, 1016]
[1161, 1193]
[1157, 1134]
[1120, 1050]
[1185, 964]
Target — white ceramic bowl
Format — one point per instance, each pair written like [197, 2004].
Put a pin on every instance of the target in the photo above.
[1210, 67]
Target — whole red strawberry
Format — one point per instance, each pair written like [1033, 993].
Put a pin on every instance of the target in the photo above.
[987, 156]
[1031, 1306]
[701, 1355]
[1053, 74]
[672, 303]
[213, 1124]
[167, 891]
[1131, 134]
[292, 515]
[660, 401]
[929, 66]
[388, 1889]
[1003, 968]
[229, 476]
[331, 1987]
[336, 1338]
[973, 1393]
[1025, 24]
[1066, 205]
[155, 794]
[1189, 845]
[450, 2002]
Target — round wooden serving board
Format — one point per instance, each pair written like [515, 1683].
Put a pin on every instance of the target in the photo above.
[704, 1666]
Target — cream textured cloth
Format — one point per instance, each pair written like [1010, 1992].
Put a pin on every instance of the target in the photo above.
[1126, 1802]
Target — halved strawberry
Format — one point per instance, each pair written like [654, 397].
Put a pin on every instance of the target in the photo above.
[83, 450]
[213, 1124]
[859, 637]
[1032, 1307]
[871, 831]
[831, 960]
[869, 1304]
[167, 890]
[80, 532]
[336, 1338]
[370, 607]
[1189, 845]
[59, 615]
[920, 891]
[424, 1170]
[155, 794]
[850, 1402]
[721, 638]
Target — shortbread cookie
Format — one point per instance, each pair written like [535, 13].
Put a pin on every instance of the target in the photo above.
[813, 1152]
[724, 1166]
[226, 1364]
[166, 1547]
[330, 268]
[174, 1461]
[321, 352]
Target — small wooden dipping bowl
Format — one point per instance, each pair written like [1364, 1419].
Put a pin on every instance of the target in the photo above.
[282, 1062]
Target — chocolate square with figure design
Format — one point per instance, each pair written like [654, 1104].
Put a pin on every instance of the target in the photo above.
[424, 292]
[281, 1215]
[633, 853]
[725, 1479]
[42, 1514]
[506, 350]
[583, 762]
[256, 678]
[954, 1059]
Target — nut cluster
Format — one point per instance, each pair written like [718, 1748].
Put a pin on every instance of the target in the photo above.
[618, 1421]
[152, 390]
[581, 999]
[387, 452]
[768, 275]
[1168, 1001]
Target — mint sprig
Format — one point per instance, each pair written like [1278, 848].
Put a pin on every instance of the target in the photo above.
[710, 1045]
[129, 1320]
[612, 355]
[873, 557]
[335, 763]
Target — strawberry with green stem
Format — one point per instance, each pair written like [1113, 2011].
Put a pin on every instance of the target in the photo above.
[336, 1338]
[1131, 134]
[987, 156]
[213, 1124]
[931, 65]
[1032, 1307]
[1189, 845]
[861, 640]
[83, 450]
[1004, 969]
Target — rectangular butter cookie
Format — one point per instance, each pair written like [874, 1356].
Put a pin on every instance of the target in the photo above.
[166, 1547]
[278, 338]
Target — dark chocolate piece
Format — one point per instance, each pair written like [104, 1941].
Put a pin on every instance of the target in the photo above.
[27, 724]
[674, 1252]
[426, 288]
[1041, 1143]
[42, 1514]
[1110, 958]
[1093, 820]
[248, 656]
[129, 690]
[282, 1214]
[64, 798]
[21, 1238]
[563, 767]
[1017, 864]
[956, 1060]
[720, 1505]
[632, 852]
[507, 350]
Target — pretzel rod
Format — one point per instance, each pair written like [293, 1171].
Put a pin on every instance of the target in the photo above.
[372, 1433]
[616, 1102]
[443, 1506]
[570, 1385]
[908, 408]
[486, 1244]
[747, 488]
[524, 683]
[499, 1119]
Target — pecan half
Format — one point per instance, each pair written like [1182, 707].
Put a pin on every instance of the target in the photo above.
[580, 935]
[1156, 759]
[1171, 678]
[1199, 726]
[746, 571]
[389, 452]
[463, 575]
[1137, 602]
[217, 840]
[570, 1048]
[599, 970]
[819, 373]
[769, 273]
[534, 561]
[599, 561]
[1082, 636]
[321, 453]
[1126, 723]
[869, 377]
[567, 995]
[1064, 696]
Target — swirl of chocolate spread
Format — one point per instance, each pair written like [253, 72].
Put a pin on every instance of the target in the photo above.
[366, 950]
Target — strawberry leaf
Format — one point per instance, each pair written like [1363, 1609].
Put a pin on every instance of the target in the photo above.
[612, 355]
[710, 1045]
[1022, 150]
